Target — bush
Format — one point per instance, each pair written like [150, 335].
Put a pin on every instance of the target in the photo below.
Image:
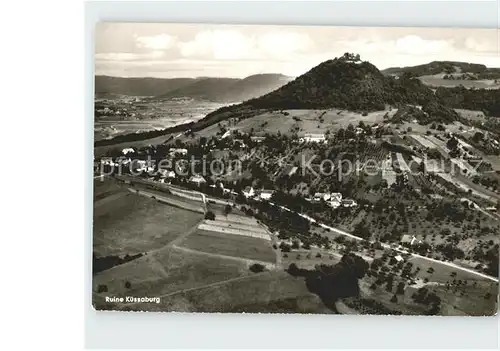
[128, 285]
[210, 215]
[257, 268]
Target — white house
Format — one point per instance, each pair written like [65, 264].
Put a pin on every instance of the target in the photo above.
[165, 173]
[266, 194]
[248, 192]
[197, 180]
[334, 203]
[143, 166]
[321, 196]
[226, 134]
[257, 139]
[314, 138]
[349, 203]
[410, 239]
[336, 196]
[107, 161]
[128, 150]
[182, 152]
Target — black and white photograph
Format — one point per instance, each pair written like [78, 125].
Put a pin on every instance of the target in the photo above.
[296, 169]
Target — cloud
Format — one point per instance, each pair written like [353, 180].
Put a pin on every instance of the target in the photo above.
[155, 42]
[481, 45]
[218, 44]
[127, 56]
[169, 50]
[284, 43]
[407, 45]
[415, 45]
[234, 45]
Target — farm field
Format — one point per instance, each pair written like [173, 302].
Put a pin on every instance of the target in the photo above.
[442, 273]
[301, 121]
[308, 259]
[461, 294]
[230, 245]
[106, 188]
[470, 300]
[267, 292]
[170, 199]
[438, 81]
[132, 224]
[102, 150]
[165, 272]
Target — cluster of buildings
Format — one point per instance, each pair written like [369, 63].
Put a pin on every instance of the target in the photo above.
[263, 194]
[312, 138]
[333, 200]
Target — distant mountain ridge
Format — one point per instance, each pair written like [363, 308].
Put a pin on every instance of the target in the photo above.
[104, 85]
[351, 84]
[446, 67]
[345, 82]
[204, 88]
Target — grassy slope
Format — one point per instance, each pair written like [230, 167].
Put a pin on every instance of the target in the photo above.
[132, 224]
[230, 245]
[268, 292]
[165, 272]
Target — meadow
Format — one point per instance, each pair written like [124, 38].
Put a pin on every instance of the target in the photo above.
[131, 224]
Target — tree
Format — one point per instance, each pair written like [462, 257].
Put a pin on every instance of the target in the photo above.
[210, 215]
[284, 247]
[293, 269]
[452, 143]
[128, 285]
[394, 298]
[257, 268]
[361, 230]
[400, 289]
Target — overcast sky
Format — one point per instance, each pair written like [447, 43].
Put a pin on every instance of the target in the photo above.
[194, 50]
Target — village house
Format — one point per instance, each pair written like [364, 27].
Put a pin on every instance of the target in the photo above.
[410, 239]
[399, 258]
[349, 203]
[165, 173]
[240, 143]
[226, 134]
[107, 161]
[248, 192]
[174, 152]
[333, 203]
[336, 197]
[333, 199]
[266, 194]
[313, 138]
[321, 196]
[122, 160]
[289, 170]
[128, 150]
[197, 180]
[257, 139]
[143, 166]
